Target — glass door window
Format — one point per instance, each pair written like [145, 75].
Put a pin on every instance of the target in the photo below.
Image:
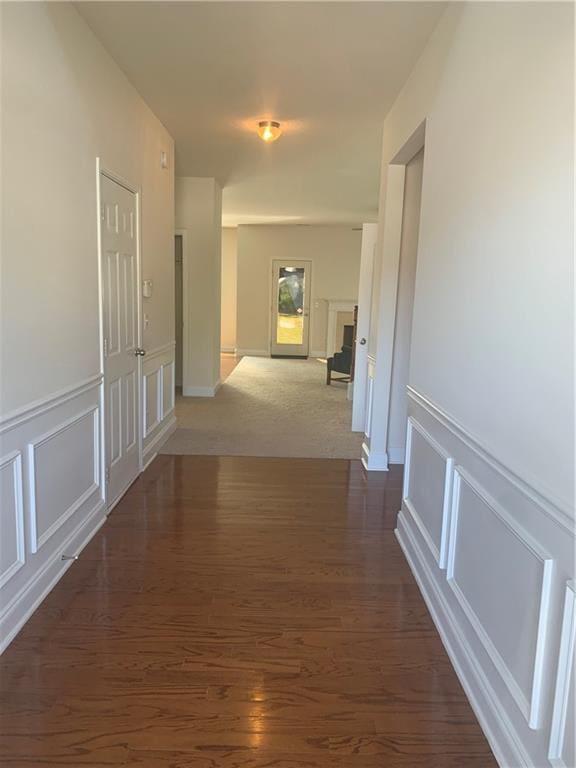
[290, 309]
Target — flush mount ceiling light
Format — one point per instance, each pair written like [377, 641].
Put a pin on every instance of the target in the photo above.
[269, 130]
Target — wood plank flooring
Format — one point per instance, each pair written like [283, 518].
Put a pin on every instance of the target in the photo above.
[239, 613]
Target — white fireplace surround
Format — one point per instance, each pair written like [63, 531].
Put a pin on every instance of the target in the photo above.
[335, 306]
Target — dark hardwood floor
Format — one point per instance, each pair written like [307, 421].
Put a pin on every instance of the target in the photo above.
[239, 613]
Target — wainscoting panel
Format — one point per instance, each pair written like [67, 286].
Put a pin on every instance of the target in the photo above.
[52, 495]
[12, 545]
[512, 624]
[427, 480]
[152, 400]
[70, 450]
[562, 748]
[158, 384]
[492, 556]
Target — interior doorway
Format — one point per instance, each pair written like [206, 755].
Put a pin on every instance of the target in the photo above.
[178, 309]
[405, 307]
[290, 308]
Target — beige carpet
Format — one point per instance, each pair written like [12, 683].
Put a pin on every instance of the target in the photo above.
[268, 407]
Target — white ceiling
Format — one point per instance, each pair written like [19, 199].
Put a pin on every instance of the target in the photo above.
[329, 71]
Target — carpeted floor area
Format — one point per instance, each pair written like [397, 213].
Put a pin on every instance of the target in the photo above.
[269, 407]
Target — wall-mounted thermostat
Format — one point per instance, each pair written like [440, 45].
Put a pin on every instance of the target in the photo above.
[147, 289]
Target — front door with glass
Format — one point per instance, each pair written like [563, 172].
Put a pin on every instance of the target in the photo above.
[290, 308]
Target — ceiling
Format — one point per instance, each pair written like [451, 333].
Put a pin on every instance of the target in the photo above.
[329, 71]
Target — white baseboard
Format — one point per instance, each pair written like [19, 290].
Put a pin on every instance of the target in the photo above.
[227, 349]
[23, 605]
[494, 721]
[253, 352]
[200, 391]
[321, 354]
[151, 450]
[374, 462]
[396, 455]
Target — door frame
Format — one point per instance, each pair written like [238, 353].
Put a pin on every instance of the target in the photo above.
[273, 299]
[104, 170]
[185, 330]
[360, 384]
[375, 446]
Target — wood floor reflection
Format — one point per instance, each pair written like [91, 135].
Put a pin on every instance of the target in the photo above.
[239, 613]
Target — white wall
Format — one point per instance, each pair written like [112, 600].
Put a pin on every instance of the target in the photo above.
[335, 255]
[229, 288]
[487, 520]
[64, 103]
[199, 218]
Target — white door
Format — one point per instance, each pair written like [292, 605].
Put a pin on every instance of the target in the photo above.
[363, 327]
[290, 308]
[120, 276]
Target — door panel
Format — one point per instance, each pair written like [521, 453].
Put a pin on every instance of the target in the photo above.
[290, 308]
[120, 328]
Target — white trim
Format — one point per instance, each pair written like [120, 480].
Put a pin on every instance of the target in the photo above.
[396, 455]
[228, 350]
[253, 352]
[440, 555]
[200, 391]
[36, 541]
[531, 709]
[151, 450]
[158, 351]
[42, 405]
[321, 354]
[563, 678]
[494, 720]
[34, 585]
[372, 461]
[147, 429]
[15, 458]
[553, 507]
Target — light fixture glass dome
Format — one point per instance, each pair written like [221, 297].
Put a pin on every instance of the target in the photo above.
[269, 130]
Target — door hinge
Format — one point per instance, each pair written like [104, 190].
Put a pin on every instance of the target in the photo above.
[105, 347]
[102, 216]
[107, 474]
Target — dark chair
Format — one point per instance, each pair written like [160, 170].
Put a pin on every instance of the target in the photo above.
[341, 362]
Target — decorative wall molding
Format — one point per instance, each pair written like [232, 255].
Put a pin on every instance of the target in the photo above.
[440, 554]
[498, 728]
[12, 462]
[37, 539]
[498, 603]
[151, 400]
[53, 457]
[560, 513]
[163, 349]
[372, 461]
[530, 707]
[20, 608]
[42, 405]
[565, 689]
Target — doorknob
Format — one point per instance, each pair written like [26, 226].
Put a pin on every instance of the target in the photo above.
[139, 352]
[362, 341]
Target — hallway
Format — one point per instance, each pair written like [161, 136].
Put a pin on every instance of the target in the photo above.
[227, 615]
